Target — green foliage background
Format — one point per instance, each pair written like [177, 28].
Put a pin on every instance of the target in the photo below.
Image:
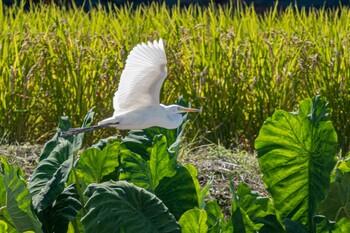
[136, 184]
[239, 65]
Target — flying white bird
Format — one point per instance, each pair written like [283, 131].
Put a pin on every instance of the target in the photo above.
[136, 102]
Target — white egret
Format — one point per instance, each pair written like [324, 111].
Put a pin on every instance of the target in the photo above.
[136, 102]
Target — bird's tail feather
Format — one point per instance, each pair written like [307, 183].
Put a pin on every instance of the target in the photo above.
[73, 131]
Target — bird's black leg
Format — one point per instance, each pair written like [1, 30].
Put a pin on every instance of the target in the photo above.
[73, 131]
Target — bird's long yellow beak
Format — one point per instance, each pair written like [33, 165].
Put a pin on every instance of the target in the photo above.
[190, 109]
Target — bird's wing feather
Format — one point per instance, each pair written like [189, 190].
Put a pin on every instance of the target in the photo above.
[142, 77]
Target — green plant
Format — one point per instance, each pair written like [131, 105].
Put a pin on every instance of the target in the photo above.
[297, 153]
[239, 65]
[137, 184]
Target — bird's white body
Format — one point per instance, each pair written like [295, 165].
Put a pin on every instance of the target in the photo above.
[136, 102]
[146, 117]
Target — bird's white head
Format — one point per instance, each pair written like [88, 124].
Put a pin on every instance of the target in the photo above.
[174, 117]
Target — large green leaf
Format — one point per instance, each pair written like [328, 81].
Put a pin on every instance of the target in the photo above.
[161, 165]
[259, 209]
[5, 218]
[342, 226]
[194, 174]
[323, 225]
[75, 140]
[18, 199]
[123, 207]
[3, 226]
[49, 178]
[244, 202]
[63, 210]
[194, 221]
[215, 219]
[144, 173]
[337, 203]
[94, 164]
[294, 226]
[297, 154]
[178, 192]
[55, 164]
[174, 186]
[105, 141]
[135, 169]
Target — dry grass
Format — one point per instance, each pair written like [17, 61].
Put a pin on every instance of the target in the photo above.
[213, 160]
[24, 156]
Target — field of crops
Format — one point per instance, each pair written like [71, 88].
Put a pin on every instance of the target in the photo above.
[278, 83]
[238, 65]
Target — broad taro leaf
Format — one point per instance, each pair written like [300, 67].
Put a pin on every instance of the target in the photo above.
[242, 223]
[178, 192]
[147, 174]
[294, 226]
[138, 141]
[342, 226]
[3, 226]
[49, 178]
[201, 194]
[104, 142]
[323, 225]
[194, 220]
[337, 203]
[18, 199]
[242, 203]
[296, 153]
[215, 217]
[5, 218]
[259, 209]
[75, 140]
[123, 207]
[161, 164]
[63, 210]
[94, 164]
[343, 167]
[4, 215]
[135, 169]
[194, 174]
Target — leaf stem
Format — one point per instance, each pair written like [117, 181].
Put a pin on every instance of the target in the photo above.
[338, 213]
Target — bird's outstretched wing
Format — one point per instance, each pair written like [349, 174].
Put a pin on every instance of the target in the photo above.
[142, 77]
